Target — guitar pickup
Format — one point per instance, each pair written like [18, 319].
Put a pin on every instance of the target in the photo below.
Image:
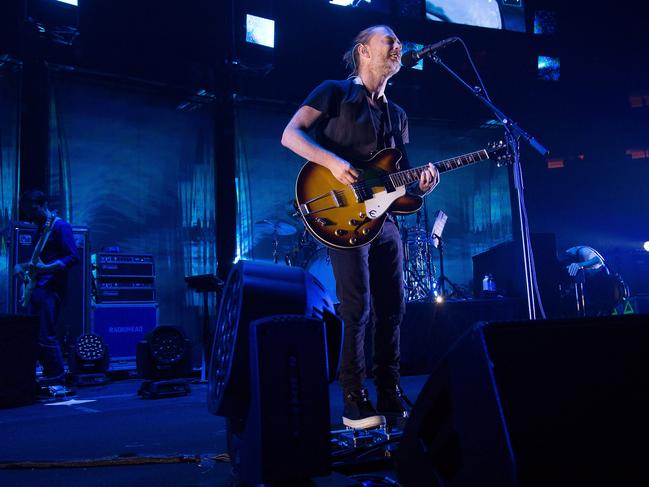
[361, 192]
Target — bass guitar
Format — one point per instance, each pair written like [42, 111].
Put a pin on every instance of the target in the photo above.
[348, 216]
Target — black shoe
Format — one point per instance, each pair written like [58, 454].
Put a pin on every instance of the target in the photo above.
[359, 413]
[52, 380]
[392, 402]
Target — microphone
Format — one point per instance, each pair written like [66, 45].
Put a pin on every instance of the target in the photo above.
[411, 58]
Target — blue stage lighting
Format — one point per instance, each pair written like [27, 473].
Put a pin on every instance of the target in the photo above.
[413, 46]
[260, 31]
[548, 68]
[70, 2]
[646, 246]
[348, 3]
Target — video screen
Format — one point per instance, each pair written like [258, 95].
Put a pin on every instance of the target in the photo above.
[545, 22]
[377, 5]
[549, 68]
[491, 14]
[260, 31]
[413, 46]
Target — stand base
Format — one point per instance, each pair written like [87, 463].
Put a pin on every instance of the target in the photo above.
[90, 379]
[54, 393]
[163, 388]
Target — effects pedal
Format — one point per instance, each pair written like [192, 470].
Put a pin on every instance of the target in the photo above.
[362, 438]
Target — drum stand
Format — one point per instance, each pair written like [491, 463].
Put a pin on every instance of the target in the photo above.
[418, 276]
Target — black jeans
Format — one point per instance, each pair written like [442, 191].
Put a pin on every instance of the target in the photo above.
[47, 304]
[369, 285]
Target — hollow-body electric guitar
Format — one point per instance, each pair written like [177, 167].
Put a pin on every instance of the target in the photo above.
[349, 216]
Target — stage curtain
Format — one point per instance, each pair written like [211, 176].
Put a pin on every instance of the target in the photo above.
[9, 153]
[135, 163]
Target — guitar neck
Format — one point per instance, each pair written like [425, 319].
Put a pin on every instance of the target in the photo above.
[407, 176]
[36, 255]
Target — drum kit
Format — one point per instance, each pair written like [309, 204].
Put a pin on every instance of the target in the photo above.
[305, 251]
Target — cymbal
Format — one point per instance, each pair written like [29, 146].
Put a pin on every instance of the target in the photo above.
[276, 227]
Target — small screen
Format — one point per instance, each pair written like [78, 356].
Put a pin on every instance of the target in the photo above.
[545, 22]
[260, 31]
[548, 68]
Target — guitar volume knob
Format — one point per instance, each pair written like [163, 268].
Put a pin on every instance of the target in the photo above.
[353, 222]
[340, 232]
[365, 231]
[352, 240]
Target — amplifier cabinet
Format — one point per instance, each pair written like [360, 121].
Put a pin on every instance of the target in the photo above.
[119, 265]
[122, 326]
[124, 291]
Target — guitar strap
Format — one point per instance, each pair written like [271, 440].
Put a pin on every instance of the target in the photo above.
[397, 136]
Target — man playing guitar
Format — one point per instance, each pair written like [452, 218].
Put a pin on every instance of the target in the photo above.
[45, 278]
[351, 120]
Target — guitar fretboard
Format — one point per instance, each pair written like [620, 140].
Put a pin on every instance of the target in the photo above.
[407, 176]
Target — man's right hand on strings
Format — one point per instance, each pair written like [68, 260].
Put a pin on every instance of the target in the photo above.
[344, 172]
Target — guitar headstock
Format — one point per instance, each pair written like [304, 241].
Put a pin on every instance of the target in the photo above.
[499, 152]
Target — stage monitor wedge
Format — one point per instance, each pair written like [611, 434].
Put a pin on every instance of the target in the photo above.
[534, 403]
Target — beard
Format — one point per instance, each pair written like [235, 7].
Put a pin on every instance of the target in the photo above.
[392, 66]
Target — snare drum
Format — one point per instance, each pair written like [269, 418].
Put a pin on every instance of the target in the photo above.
[320, 266]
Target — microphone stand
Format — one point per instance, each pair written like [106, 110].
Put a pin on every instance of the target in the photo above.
[513, 134]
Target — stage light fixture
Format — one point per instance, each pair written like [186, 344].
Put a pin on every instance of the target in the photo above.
[89, 360]
[164, 362]
[646, 246]
[70, 2]
[439, 299]
[260, 31]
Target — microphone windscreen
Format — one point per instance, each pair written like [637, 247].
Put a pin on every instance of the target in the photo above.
[409, 59]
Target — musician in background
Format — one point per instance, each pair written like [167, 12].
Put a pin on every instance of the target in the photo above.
[51, 272]
[350, 121]
[586, 266]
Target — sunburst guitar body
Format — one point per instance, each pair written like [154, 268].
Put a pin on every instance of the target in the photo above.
[350, 216]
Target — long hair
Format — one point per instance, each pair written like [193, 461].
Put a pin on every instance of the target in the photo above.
[351, 58]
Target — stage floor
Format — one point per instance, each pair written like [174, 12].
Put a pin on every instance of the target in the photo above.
[115, 421]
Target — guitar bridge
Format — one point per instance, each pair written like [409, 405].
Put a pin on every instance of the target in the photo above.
[336, 197]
